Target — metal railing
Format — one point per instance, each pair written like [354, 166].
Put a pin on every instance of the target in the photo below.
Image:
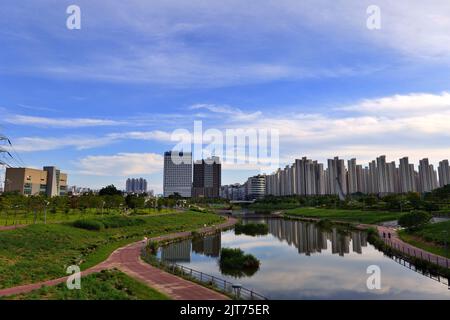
[418, 253]
[222, 285]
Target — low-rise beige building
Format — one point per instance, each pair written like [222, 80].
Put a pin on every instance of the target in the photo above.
[27, 181]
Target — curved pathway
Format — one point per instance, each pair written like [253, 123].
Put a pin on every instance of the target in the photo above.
[395, 242]
[128, 260]
[12, 227]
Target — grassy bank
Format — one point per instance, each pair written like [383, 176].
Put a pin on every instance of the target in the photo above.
[106, 285]
[357, 216]
[8, 218]
[41, 252]
[432, 238]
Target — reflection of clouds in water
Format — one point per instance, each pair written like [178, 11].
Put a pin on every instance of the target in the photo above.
[287, 274]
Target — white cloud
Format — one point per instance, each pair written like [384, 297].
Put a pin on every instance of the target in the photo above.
[58, 122]
[34, 144]
[404, 105]
[121, 164]
[233, 114]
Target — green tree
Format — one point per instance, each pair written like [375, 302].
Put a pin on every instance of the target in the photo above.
[110, 190]
[415, 219]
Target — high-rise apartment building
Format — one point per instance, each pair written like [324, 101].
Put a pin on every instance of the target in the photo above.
[177, 173]
[255, 187]
[27, 181]
[138, 185]
[444, 173]
[427, 176]
[207, 178]
[407, 176]
[337, 177]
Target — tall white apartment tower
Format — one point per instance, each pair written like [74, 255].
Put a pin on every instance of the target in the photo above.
[352, 176]
[444, 173]
[177, 173]
[427, 176]
[407, 176]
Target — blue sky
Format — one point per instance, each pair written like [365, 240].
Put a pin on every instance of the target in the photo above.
[101, 102]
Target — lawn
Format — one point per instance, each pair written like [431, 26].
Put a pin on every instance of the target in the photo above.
[41, 252]
[359, 216]
[9, 217]
[432, 238]
[105, 285]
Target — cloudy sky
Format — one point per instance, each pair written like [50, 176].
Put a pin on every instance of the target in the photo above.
[101, 102]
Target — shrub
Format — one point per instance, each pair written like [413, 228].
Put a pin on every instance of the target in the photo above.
[251, 229]
[119, 222]
[107, 223]
[152, 247]
[415, 219]
[236, 263]
[88, 224]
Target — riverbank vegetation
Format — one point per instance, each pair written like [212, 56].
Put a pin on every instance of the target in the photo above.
[236, 263]
[251, 229]
[356, 216]
[436, 202]
[434, 238]
[105, 285]
[41, 252]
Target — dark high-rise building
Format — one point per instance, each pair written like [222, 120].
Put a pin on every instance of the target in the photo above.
[207, 178]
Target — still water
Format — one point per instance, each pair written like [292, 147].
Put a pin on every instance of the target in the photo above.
[299, 260]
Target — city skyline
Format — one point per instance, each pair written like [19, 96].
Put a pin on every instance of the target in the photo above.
[102, 104]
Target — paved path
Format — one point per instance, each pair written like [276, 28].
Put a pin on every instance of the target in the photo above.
[12, 227]
[395, 242]
[127, 259]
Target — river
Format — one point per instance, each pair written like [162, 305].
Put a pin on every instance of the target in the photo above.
[299, 260]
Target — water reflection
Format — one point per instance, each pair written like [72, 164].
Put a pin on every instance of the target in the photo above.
[300, 260]
[181, 251]
[309, 238]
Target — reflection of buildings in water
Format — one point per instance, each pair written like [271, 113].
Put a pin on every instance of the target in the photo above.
[308, 238]
[209, 245]
[177, 252]
[356, 242]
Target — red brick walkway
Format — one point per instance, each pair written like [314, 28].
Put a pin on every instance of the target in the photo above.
[4, 228]
[395, 242]
[127, 259]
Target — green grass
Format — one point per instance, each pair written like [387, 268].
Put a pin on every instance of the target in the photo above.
[359, 216]
[41, 252]
[26, 217]
[105, 285]
[431, 238]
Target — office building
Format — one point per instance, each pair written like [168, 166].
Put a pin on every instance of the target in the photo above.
[177, 173]
[49, 181]
[207, 178]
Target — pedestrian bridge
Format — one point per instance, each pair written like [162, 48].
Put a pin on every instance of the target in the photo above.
[242, 201]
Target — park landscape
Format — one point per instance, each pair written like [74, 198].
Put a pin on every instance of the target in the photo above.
[41, 237]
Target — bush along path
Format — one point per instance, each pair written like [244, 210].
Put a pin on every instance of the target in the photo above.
[127, 259]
